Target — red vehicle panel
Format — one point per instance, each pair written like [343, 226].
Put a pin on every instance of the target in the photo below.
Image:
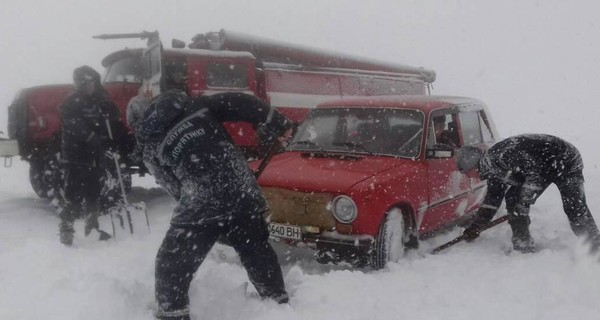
[290, 77]
[364, 178]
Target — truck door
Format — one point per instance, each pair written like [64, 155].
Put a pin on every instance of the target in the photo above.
[152, 66]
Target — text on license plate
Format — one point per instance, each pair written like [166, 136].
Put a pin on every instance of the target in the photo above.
[285, 231]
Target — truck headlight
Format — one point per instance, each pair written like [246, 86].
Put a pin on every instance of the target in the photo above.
[344, 209]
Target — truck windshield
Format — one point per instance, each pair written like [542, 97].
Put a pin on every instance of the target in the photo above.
[380, 131]
[127, 70]
[226, 75]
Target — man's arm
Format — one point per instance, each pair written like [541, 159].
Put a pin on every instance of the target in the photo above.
[231, 106]
[492, 201]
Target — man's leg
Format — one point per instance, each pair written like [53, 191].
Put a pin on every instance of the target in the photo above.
[93, 188]
[73, 203]
[180, 255]
[519, 223]
[248, 234]
[574, 203]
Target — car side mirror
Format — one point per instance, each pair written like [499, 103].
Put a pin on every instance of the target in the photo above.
[440, 151]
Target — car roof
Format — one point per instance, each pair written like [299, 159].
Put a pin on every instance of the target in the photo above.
[418, 102]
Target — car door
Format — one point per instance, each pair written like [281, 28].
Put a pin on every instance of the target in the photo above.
[475, 131]
[448, 188]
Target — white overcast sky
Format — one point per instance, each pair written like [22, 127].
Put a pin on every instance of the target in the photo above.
[521, 57]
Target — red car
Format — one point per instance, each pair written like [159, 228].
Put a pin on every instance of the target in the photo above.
[362, 179]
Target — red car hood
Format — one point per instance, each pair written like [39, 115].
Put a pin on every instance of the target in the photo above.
[321, 174]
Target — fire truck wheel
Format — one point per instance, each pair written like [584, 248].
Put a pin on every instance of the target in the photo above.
[40, 185]
[46, 177]
[389, 243]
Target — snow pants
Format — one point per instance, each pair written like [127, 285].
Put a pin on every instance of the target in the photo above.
[83, 184]
[186, 246]
[574, 204]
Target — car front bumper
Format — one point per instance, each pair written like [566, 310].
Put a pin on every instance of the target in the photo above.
[331, 247]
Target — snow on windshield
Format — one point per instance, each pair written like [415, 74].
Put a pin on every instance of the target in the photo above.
[395, 132]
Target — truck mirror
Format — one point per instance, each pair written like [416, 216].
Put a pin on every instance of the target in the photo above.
[177, 44]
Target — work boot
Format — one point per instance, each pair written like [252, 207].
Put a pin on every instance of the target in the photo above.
[523, 244]
[66, 233]
[91, 223]
[521, 238]
[586, 227]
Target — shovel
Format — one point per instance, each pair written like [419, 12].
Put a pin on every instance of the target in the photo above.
[126, 207]
[462, 237]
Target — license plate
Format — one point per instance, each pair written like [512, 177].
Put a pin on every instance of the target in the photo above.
[285, 231]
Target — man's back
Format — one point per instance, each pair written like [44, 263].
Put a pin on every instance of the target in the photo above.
[541, 155]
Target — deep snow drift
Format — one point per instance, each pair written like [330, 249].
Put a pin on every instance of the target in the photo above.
[41, 279]
[535, 63]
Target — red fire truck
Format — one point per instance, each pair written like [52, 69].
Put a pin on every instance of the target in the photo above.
[290, 77]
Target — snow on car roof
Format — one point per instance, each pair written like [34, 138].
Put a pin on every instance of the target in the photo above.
[420, 102]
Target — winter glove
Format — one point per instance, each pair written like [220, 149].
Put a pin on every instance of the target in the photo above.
[266, 134]
[472, 232]
[521, 209]
[528, 193]
[111, 150]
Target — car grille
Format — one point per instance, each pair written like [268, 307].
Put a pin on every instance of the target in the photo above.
[300, 208]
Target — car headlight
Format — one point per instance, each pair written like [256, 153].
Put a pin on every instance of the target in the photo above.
[344, 209]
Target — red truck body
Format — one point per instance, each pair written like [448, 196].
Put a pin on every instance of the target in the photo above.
[290, 77]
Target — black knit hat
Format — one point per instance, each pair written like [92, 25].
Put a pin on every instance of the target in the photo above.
[85, 74]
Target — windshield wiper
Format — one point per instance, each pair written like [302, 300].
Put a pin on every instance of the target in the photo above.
[353, 145]
[308, 143]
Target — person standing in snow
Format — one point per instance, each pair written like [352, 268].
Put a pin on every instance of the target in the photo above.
[193, 157]
[519, 169]
[85, 141]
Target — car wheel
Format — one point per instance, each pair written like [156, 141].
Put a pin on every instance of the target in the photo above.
[389, 244]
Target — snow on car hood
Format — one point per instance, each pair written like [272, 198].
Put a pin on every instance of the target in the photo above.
[329, 173]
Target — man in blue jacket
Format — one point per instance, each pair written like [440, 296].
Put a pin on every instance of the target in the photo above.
[193, 157]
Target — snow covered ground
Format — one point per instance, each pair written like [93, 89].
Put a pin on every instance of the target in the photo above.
[42, 279]
[535, 63]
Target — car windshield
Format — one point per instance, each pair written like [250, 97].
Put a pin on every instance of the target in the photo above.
[128, 70]
[394, 132]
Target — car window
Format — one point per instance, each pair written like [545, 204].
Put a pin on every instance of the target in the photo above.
[443, 130]
[471, 127]
[486, 132]
[384, 131]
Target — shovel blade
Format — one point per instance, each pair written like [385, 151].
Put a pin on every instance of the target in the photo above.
[128, 221]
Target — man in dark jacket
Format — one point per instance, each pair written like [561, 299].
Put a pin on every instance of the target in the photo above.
[519, 169]
[194, 158]
[85, 140]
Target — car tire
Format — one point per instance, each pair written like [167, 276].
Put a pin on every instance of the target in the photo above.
[389, 243]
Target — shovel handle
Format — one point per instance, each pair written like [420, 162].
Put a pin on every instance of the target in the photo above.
[462, 237]
[265, 161]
